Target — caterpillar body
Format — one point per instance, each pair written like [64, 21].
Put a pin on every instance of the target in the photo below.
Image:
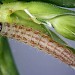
[39, 40]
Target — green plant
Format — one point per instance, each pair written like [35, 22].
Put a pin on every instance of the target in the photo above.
[23, 22]
[7, 66]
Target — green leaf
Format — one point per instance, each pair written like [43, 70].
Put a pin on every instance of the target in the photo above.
[0, 72]
[7, 65]
[65, 25]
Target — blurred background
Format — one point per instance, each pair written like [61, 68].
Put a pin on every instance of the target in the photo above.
[31, 61]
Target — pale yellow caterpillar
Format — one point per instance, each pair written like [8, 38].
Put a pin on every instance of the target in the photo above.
[39, 40]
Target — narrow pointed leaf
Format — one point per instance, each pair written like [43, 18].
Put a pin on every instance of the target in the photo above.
[7, 65]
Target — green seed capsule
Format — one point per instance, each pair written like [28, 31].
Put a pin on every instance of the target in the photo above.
[65, 25]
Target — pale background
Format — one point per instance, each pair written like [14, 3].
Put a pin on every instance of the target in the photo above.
[31, 61]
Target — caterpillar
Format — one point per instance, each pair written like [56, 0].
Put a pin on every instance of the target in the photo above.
[39, 40]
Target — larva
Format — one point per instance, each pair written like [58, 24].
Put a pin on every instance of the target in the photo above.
[38, 40]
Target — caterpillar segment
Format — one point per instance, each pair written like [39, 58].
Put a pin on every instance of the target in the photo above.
[39, 40]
